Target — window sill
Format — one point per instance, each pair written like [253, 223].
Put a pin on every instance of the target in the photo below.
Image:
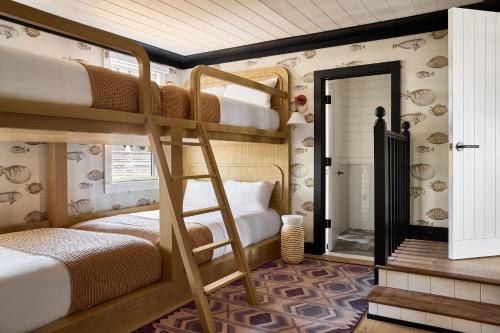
[140, 185]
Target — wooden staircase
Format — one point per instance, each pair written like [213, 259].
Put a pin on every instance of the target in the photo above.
[420, 286]
[173, 204]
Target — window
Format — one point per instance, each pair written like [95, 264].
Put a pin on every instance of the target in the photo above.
[129, 168]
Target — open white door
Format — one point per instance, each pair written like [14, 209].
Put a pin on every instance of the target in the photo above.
[474, 120]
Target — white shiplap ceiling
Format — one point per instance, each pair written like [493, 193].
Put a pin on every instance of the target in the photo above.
[194, 26]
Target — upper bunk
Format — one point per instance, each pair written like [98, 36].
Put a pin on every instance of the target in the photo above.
[43, 119]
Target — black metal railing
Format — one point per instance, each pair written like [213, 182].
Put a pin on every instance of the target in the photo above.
[392, 187]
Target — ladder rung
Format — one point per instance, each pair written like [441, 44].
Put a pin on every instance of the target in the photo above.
[211, 246]
[201, 211]
[223, 282]
[193, 177]
[181, 143]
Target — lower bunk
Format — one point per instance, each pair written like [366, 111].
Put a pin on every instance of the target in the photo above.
[99, 264]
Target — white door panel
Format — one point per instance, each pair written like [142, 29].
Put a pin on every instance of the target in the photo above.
[474, 119]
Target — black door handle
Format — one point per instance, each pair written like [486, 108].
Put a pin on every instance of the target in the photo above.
[461, 146]
[339, 173]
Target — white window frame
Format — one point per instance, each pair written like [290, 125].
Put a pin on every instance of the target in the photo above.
[119, 187]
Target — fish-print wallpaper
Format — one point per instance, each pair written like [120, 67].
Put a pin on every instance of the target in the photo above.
[23, 166]
[424, 99]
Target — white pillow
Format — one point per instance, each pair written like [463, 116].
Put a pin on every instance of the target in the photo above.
[215, 90]
[198, 194]
[248, 197]
[249, 95]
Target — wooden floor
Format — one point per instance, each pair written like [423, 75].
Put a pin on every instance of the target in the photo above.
[431, 258]
[375, 326]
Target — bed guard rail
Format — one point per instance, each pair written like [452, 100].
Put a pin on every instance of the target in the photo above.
[195, 86]
[29, 15]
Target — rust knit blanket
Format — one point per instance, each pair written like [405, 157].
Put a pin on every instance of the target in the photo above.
[113, 90]
[101, 266]
[149, 229]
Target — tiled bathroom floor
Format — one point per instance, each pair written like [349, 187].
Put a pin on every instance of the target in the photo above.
[355, 242]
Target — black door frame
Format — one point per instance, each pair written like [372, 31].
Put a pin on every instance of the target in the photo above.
[320, 78]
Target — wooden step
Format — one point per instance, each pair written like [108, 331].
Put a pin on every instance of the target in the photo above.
[445, 306]
[201, 211]
[193, 177]
[211, 246]
[223, 282]
[181, 143]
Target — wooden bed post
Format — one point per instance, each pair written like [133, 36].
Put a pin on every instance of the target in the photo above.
[57, 184]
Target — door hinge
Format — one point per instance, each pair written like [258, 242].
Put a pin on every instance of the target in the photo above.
[328, 99]
[328, 161]
[328, 224]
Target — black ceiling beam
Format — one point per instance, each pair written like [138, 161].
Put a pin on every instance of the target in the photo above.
[357, 34]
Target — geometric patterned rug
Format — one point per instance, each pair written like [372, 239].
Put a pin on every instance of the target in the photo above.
[315, 296]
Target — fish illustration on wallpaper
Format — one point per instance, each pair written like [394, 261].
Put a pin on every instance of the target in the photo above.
[36, 216]
[294, 187]
[416, 191]
[412, 44]
[350, 64]
[10, 197]
[309, 118]
[308, 206]
[424, 149]
[308, 142]
[415, 118]
[424, 74]
[116, 206]
[85, 185]
[439, 110]
[75, 156]
[298, 170]
[16, 174]
[82, 206]
[83, 46]
[300, 150]
[8, 31]
[356, 47]
[438, 62]
[309, 182]
[19, 150]
[95, 150]
[439, 34]
[144, 202]
[438, 186]
[437, 214]
[31, 32]
[423, 222]
[420, 97]
[422, 171]
[34, 188]
[250, 63]
[300, 87]
[95, 175]
[310, 54]
[300, 213]
[438, 138]
[308, 77]
[289, 62]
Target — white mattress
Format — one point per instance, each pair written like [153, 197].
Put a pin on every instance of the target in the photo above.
[36, 290]
[29, 76]
[252, 227]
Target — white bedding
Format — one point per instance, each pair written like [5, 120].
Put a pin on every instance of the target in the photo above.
[36, 290]
[252, 226]
[29, 76]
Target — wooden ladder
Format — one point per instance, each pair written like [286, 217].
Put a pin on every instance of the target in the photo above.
[200, 291]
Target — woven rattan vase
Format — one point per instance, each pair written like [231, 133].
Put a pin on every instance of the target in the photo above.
[292, 239]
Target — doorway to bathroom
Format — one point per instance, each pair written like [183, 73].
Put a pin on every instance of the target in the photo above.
[345, 179]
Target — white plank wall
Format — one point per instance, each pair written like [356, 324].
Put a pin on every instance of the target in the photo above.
[474, 54]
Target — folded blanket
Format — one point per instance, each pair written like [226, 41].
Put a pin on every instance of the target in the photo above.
[112, 90]
[101, 266]
[148, 229]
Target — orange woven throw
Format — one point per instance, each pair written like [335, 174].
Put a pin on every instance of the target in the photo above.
[101, 266]
[149, 229]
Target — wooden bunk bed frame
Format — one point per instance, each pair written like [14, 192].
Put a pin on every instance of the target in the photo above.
[58, 124]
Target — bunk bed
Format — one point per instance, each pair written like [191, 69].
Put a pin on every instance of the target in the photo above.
[250, 154]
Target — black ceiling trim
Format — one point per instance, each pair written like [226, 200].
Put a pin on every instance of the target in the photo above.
[357, 34]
